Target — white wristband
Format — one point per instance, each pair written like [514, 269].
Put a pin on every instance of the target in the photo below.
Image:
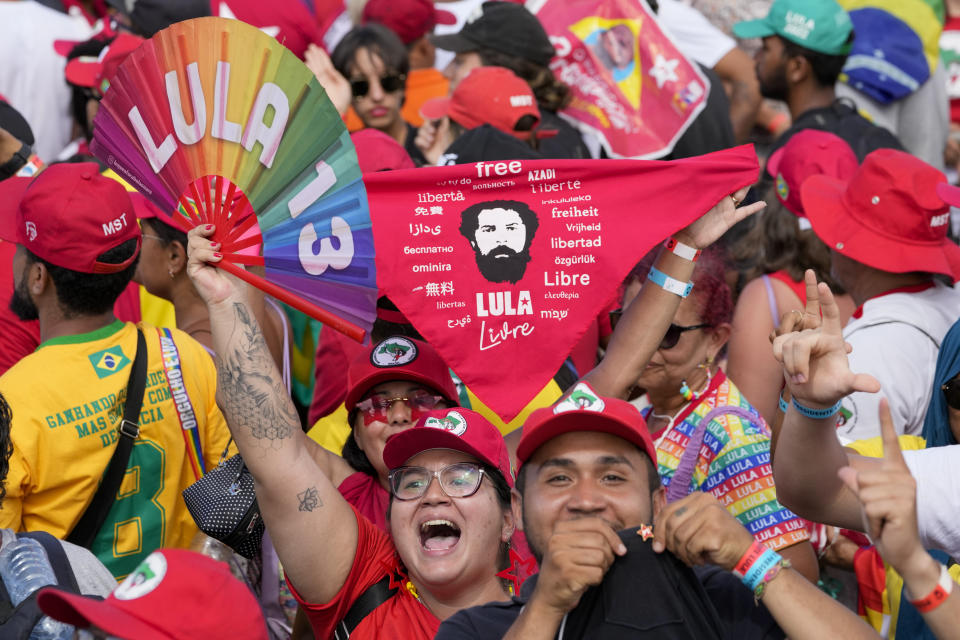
[681, 250]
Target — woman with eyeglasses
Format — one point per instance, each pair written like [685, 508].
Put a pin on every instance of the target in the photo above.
[375, 63]
[708, 436]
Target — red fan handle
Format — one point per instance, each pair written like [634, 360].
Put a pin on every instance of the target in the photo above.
[343, 326]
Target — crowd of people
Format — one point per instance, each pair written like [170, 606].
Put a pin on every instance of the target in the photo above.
[755, 439]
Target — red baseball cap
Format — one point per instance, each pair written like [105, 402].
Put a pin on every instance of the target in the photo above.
[409, 19]
[97, 72]
[889, 216]
[457, 429]
[376, 151]
[809, 153]
[173, 594]
[70, 214]
[489, 95]
[399, 358]
[585, 410]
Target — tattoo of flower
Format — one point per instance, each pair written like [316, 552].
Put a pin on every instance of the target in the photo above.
[309, 499]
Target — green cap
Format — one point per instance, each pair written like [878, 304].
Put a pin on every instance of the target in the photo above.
[819, 25]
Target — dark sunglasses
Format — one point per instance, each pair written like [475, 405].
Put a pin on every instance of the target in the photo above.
[670, 338]
[951, 393]
[389, 84]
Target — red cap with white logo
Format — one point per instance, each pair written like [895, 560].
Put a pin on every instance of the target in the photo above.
[489, 95]
[174, 594]
[889, 216]
[455, 429]
[584, 410]
[70, 215]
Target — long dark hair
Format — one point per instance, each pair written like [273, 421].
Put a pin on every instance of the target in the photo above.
[776, 243]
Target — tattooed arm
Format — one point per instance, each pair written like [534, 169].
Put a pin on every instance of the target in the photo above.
[312, 527]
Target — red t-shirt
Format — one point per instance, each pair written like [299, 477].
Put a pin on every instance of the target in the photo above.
[365, 494]
[402, 616]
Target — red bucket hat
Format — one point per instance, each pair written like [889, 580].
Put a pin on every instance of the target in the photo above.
[585, 410]
[174, 594]
[399, 358]
[888, 216]
[456, 429]
[70, 214]
[809, 153]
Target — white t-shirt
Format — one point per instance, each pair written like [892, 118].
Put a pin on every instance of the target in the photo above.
[694, 35]
[896, 340]
[938, 496]
[93, 579]
[31, 76]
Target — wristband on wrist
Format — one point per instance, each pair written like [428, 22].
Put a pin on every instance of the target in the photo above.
[667, 283]
[768, 577]
[783, 404]
[816, 414]
[681, 250]
[759, 569]
[939, 594]
[748, 558]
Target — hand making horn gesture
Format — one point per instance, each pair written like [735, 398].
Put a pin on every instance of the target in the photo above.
[815, 360]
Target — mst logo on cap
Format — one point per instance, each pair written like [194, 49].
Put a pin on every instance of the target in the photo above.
[453, 422]
[393, 352]
[583, 398]
[144, 579]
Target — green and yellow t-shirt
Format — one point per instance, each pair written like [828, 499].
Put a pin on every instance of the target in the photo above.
[67, 400]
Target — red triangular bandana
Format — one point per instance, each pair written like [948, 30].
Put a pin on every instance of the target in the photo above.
[502, 266]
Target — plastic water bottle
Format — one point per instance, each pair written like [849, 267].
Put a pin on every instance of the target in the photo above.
[24, 568]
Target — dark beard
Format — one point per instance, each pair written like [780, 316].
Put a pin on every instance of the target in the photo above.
[775, 88]
[503, 264]
[22, 306]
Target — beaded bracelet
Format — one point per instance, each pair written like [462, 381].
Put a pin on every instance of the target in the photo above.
[768, 577]
[939, 594]
[816, 414]
[681, 250]
[667, 283]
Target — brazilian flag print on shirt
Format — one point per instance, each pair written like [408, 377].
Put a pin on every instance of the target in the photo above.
[67, 400]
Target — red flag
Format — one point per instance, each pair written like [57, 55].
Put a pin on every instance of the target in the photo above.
[631, 85]
[503, 265]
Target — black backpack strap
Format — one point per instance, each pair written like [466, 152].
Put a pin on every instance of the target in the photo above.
[66, 579]
[93, 518]
[373, 597]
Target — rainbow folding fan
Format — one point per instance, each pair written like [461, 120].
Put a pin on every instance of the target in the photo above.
[216, 122]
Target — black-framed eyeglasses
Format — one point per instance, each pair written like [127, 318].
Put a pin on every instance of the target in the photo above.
[460, 480]
[670, 338]
[389, 84]
[951, 393]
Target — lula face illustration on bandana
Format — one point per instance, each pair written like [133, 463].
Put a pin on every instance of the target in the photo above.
[521, 256]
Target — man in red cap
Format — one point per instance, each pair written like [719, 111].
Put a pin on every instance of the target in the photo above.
[78, 248]
[887, 233]
[174, 594]
[488, 95]
[587, 473]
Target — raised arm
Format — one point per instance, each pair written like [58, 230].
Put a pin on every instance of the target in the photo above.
[888, 495]
[312, 527]
[646, 320]
[808, 454]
